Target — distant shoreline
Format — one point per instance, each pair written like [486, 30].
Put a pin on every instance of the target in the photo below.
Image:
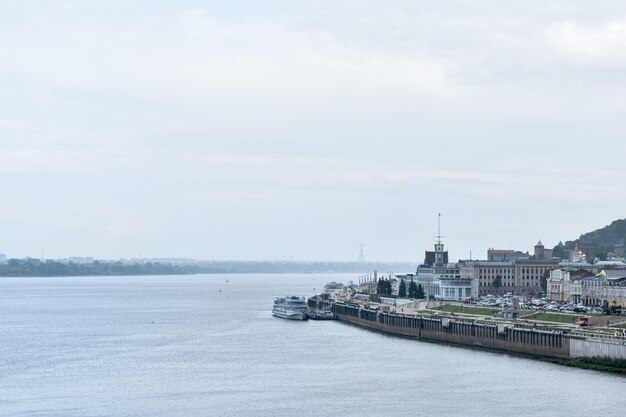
[36, 268]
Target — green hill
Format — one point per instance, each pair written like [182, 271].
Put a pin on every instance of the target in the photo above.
[597, 243]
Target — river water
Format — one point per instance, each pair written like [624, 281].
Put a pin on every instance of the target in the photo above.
[207, 345]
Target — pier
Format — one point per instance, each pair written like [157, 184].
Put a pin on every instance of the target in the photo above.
[545, 341]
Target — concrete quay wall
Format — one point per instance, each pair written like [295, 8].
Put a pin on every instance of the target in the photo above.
[549, 343]
[596, 347]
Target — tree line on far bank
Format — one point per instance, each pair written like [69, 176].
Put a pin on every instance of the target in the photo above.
[31, 267]
[48, 268]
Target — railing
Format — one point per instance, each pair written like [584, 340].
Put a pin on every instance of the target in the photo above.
[604, 337]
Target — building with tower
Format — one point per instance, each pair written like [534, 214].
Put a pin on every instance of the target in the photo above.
[442, 280]
[539, 251]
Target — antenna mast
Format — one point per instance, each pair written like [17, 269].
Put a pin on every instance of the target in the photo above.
[439, 228]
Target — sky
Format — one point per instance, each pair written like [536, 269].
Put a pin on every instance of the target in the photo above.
[298, 129]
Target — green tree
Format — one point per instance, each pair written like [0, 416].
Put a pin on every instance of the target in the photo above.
[497, 282]
[383, 287]
[419, 293]
[412, 289]
[402, 288]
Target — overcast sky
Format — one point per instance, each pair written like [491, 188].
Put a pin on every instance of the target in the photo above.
[279, 129]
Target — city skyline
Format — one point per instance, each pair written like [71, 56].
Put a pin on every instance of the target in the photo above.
[272, 130]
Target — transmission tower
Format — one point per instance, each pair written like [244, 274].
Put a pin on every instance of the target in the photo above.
[361, 253]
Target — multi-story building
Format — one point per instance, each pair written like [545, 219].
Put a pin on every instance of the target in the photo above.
[492, 277]
[522, 276]
[503, 255]
[528, 274]
[607, 289]
[512, 271]
[561, 287]
[443, 280]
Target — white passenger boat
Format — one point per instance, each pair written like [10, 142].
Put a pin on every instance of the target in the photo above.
[291, 307]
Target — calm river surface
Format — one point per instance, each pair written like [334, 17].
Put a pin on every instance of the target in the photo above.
[178, 346]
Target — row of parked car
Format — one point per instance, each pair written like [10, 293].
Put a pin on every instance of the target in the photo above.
[559, 306]
[506, 301]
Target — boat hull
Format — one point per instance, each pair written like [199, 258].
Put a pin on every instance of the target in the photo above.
[290, 315]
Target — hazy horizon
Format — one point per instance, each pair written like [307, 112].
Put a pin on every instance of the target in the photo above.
[274, 129]
[366, 262]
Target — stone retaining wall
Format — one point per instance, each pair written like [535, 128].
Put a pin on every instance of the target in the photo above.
[545, 341]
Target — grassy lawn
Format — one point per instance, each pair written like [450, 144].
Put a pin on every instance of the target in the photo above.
[480, 311]
[554, 317]
[620, 326]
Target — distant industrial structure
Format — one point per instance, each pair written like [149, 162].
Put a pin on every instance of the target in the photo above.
[361, 259]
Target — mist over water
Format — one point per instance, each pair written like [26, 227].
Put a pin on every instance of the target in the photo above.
[207, 345]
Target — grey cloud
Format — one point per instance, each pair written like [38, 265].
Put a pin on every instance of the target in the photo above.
[269, 129]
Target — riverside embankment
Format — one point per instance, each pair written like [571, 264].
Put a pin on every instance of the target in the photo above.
[549, 342]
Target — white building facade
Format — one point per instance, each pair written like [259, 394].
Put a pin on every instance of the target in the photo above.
[443, 281]
[560, 287]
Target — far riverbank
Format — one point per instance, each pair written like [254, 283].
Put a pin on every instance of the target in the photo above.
[51, 268]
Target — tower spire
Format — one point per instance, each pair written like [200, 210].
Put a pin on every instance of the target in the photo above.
[438, 227]
[439, 252]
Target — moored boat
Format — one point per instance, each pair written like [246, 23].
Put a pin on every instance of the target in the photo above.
[321, 314]
[291, 307]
